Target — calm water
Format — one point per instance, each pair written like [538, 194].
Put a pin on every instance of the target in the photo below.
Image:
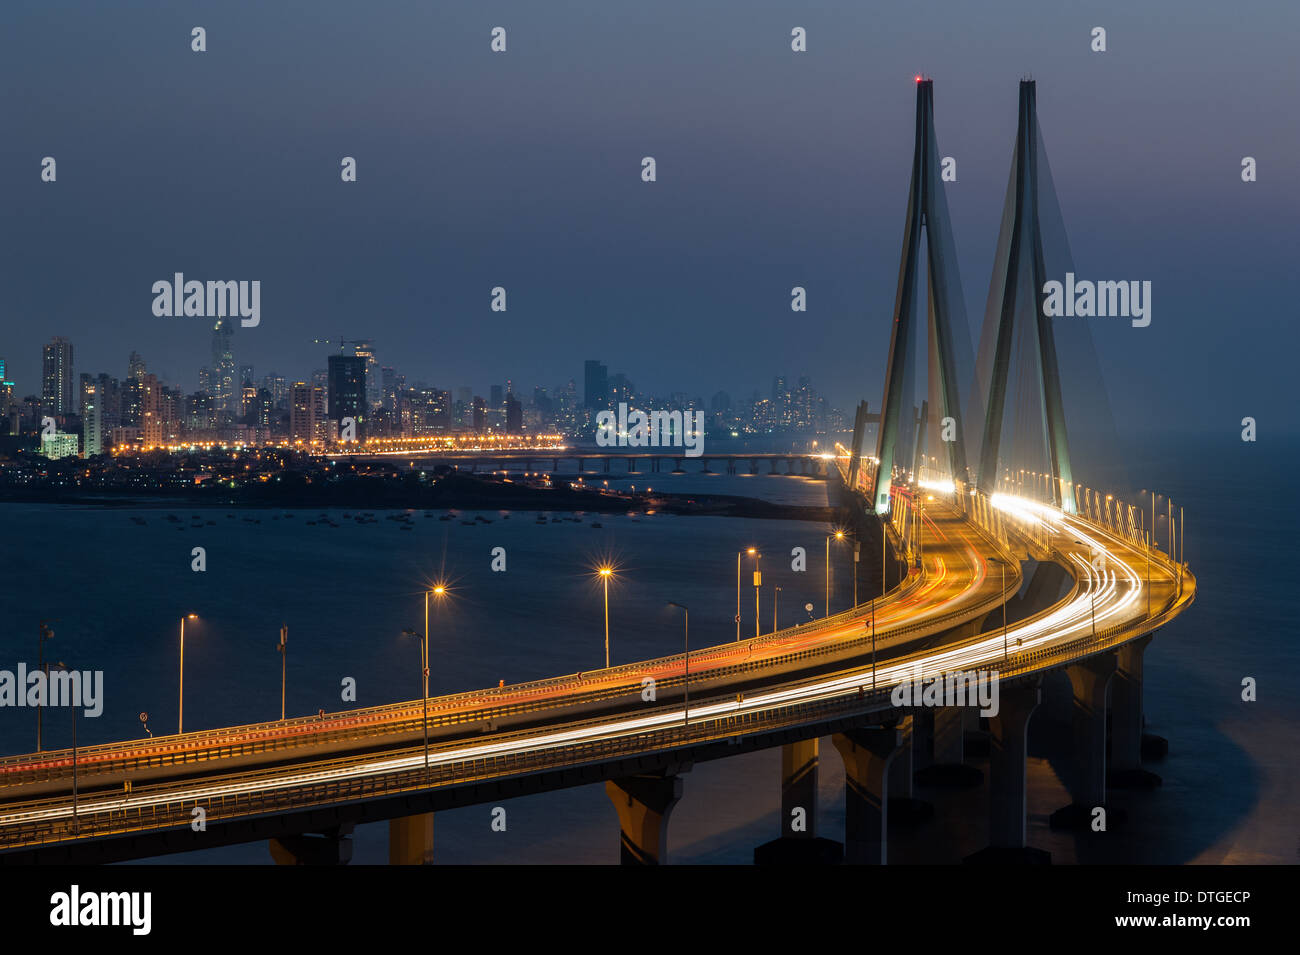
[118, 589]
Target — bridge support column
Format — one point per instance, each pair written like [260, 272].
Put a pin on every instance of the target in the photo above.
[1089, 681]
[1126, 719]
[798, 842]
[410, 840]
[949, 767]
[332, 847]
[1008, 801]
[643, 804]
[867, 755]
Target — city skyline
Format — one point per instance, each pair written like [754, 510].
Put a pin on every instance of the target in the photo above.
[678, 281]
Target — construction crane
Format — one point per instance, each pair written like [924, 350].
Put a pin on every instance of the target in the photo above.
[342, 342]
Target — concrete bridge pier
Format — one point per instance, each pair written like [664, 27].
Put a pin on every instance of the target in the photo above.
[1008, 801]
[410, 840]
[643, 804]
[867, 755]
[798, 842]
[1126, 719]
[948, 767]
[331, 847]
[903, 805]
[631, 466]
[1089, 682]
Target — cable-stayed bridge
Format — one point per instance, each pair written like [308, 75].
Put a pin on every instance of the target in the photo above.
[1012, 575]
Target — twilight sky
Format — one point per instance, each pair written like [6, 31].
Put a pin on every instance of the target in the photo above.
[522, 169]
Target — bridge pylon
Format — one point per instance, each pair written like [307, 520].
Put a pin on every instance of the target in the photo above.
[1019, 275]
[948, 335]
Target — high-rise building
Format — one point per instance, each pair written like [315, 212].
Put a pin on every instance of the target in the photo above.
[365, 350]
[480, 414]
[596, 384]
[497, 396]
[92, 419]
[108, 391]
[57, 383]
[151, 428]
[308, 424]
[620, 389]
[135, 366]
[514, 414]
[347, 391]
[278, 386]
[222, 385]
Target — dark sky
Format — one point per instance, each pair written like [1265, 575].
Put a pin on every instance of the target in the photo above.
[522, 169]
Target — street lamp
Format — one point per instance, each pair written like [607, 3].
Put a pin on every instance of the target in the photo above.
[180, 719]
[758, 580]
[1006, 659]
[44, 633]
[752, 552]
[839, 536]
[76, 822]
[283, 647]
[776, 599]
[686, 686]
[605, 574]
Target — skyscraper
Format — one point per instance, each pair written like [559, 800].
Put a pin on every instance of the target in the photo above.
[224, 388]
[307, 415]
[92, 418]
[595, 393]
[57, 389]
[514, 414]
[365, 349]
[347, 391]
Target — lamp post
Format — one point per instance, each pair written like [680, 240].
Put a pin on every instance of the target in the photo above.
[180, 719]
[751, 552]
[686, 685]
[1006, 657]
[76, 822]
[283, 647]
[776, 599]
[605, 574]
[839, 536]
[758, 580]
[44, 633]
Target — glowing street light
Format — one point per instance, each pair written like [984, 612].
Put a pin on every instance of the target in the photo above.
[752, 552]
[839, 536]
[180, 719]
[605, 573]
